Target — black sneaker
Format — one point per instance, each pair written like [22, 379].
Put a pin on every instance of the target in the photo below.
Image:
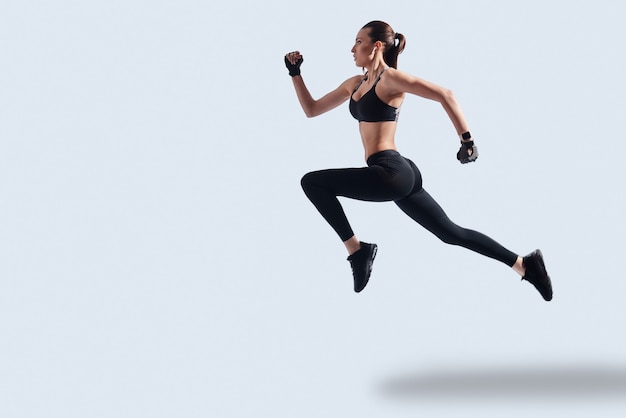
[537, 275]
[361, 263]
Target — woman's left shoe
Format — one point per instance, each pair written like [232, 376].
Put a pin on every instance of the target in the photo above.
[361, 263]
[537, 275]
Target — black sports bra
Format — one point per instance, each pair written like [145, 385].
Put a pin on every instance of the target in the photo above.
[369, 108]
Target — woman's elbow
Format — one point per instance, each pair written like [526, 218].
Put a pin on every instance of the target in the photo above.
[311, 112]
[447, 96]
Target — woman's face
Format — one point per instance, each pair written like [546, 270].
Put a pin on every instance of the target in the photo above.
[363, 48]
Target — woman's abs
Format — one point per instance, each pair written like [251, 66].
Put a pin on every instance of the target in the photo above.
[377, 136]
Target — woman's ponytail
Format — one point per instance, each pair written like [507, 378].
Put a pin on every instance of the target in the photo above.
[393, 42]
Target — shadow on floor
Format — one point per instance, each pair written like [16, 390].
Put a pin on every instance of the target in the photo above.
[562, 383]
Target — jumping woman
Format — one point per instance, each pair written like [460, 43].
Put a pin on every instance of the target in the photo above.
[375, 100]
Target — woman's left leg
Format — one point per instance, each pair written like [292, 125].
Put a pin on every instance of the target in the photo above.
[423, 209]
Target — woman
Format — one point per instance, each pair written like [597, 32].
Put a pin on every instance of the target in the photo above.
[375, 100]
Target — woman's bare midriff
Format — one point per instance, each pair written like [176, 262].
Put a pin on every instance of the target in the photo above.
[377, 136]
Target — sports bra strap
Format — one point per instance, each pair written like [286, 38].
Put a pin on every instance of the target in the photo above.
[359, 85]
[379, 75]
[365, 78]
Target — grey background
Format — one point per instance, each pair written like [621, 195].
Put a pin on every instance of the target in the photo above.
[158, 258]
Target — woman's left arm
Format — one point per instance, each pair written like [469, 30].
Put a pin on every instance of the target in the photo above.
[401, 82]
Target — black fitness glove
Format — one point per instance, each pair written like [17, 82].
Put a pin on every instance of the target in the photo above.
[467, 153]
[294, 69]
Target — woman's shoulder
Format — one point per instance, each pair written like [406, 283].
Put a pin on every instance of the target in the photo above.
[355, 79]
[394, 73]
[351, 83]
[396, 79]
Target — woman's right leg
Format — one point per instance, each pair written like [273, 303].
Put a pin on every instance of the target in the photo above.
[373, 184]
[322, 188]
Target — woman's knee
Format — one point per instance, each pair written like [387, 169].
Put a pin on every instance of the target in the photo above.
[452, 235]
[307, 181]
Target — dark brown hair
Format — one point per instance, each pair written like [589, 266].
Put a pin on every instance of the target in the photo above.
[381, 31]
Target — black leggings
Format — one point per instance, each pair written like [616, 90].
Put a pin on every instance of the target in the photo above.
[389, 176]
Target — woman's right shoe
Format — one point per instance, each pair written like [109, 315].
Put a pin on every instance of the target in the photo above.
[361, 262]
[537, 275]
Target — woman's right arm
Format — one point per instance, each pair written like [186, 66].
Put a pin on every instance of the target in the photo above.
[328, 102]
[311, 106]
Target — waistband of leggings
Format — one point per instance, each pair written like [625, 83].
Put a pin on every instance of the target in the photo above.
[382, 154]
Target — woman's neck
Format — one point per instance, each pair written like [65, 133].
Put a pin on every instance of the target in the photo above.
[376, 68]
